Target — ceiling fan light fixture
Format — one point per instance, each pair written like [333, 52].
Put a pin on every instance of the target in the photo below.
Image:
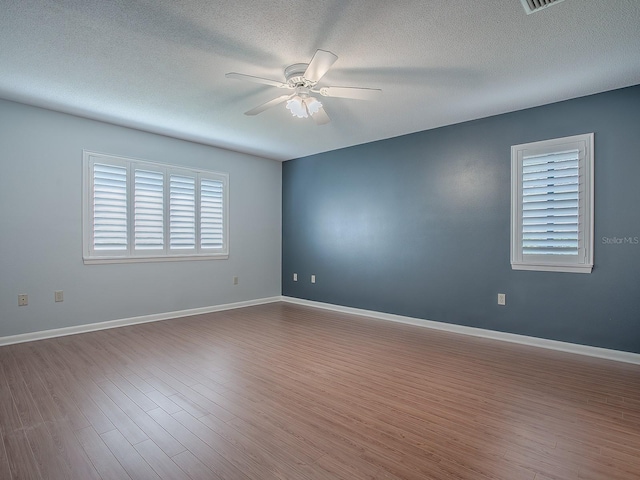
[313, 105]
[303, 107]
[296, 106]
[303, 79]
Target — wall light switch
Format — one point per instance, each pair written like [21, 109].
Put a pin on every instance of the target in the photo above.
[502, 299]
[313, 279]
[235, 280]
[59, 296]
[295, 277]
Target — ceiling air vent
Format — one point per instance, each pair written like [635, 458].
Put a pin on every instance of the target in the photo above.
[531, 6]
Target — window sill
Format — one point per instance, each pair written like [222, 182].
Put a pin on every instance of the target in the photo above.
[553, 268]
[165, 258]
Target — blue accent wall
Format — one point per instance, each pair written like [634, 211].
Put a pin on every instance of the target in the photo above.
[419, 225]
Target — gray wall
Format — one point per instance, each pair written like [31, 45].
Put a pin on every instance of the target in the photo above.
[41, 236]
[419, 225]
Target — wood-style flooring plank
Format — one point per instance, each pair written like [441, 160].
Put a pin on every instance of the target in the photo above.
[77, 390]
[352, 468]
[163, 401]
[163, 465]
[57, 422]
[146, 424]
[282, 460]
[103, 460]
[194, 468]
[139, 383]
[20, 460]
[42, 382]
[46, 449]
[129, 458]
[245, 455]
[139, 398]
[221, 466]
[116, 414]
[5, 468]
[282, 391]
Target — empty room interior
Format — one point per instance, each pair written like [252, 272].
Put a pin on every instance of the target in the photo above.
[320, 240]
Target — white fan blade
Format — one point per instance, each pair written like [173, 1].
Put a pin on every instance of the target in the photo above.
[269, 104]
[321, 117]
[350, 92]
[319, 65]
[250, 78]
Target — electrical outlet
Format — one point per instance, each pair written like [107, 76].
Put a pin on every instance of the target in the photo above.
[313, 279]
[59, 296]
[235, 280]
[23, 299]
[295, 277]
[502, 299]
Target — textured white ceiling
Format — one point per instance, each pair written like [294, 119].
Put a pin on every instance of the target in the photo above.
[159, 65]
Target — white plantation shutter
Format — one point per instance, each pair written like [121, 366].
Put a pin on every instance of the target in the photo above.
[182, 212]
[148, 209]
[109, 207]
[552, 205]
[142, 211]
[550, 210]
[212, 213]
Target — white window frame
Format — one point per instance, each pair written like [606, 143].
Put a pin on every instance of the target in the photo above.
[131, 254]
[583, 261]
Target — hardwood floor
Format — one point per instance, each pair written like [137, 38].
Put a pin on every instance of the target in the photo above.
[281, 391]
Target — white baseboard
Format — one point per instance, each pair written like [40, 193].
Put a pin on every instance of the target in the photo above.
[598, 352]
[59, 332]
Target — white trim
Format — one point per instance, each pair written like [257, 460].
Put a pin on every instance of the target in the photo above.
[608, 354]
[166, 253]
[166, 258]
[60, 332]
[552, 268]
[616, 355]
[583, 260]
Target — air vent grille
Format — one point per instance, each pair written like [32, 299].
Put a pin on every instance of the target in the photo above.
[531, 6]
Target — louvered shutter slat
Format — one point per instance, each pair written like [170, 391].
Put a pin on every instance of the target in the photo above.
[211, 214]
[109, 207]
[182, 212]
[148, 210]
[550, 204]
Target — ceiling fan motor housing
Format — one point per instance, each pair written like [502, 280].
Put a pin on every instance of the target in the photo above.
[295, 75]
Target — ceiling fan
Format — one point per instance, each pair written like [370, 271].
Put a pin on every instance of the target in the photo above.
[303, 78]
